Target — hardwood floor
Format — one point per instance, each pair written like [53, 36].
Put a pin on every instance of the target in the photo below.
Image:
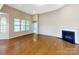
[45, 45]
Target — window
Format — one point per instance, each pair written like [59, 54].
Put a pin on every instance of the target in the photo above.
[3, 24]
[27, 25]
[23, 25]
[16, 25]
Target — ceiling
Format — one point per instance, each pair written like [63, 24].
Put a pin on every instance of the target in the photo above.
[36, 8]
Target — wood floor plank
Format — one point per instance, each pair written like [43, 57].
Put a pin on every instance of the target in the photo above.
[45, 45]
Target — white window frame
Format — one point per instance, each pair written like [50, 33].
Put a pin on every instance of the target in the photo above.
[17, 26]
[23, 23]
[2, 24]
[27, 25]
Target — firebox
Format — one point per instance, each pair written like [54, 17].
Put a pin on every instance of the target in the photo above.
[68, 36]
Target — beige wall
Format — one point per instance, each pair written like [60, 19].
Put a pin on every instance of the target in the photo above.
[14, 13]
[51, 23]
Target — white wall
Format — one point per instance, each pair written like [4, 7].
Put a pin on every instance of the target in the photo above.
[1, 5]
[52, 22]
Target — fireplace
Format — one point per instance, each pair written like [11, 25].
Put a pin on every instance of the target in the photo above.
[68, 36]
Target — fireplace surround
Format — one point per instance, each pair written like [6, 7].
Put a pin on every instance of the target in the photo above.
[70, 35]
